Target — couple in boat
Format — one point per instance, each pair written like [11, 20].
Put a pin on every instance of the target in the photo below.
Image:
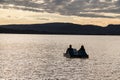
[73, 53]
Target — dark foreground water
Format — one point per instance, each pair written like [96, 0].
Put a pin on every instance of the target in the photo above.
[40, 57]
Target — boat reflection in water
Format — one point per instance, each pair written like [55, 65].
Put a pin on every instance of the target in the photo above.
[73, 53]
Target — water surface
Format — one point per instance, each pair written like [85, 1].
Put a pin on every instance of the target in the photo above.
[40, 57]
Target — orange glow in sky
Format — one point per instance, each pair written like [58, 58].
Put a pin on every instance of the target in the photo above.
[13, 16]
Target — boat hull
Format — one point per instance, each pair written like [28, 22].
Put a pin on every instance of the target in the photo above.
[75, 56]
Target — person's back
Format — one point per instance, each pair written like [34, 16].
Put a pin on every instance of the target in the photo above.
[70, 50]
[82, 51]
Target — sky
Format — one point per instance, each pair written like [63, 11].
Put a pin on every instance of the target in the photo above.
[95, 12]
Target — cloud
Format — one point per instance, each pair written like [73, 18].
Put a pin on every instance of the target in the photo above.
[66, 7]
[95, 15]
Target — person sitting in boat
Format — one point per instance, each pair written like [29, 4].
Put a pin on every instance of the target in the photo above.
[82, 52]
[70, 51]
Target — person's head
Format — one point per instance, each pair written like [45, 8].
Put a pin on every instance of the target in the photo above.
[82, 46]
[70, 46]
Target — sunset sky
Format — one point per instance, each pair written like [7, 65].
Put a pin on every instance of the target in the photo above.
[96, 12]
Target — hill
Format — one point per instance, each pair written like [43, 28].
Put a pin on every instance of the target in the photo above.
[61, 28]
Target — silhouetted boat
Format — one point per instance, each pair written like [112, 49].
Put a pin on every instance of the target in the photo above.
[73, 53]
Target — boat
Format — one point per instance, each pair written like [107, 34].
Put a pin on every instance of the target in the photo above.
[73, 53]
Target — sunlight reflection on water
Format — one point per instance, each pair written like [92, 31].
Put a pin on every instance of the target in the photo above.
[40, 57]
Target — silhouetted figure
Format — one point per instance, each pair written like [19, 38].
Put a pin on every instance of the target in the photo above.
[70, 51]
[82, 48]
[82, 53]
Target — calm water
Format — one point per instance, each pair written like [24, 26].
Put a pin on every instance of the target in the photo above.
[40, 57]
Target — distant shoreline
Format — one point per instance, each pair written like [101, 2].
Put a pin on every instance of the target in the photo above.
[61, 29]
[59, 34]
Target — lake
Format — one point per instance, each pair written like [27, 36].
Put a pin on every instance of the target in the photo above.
[40, 57]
